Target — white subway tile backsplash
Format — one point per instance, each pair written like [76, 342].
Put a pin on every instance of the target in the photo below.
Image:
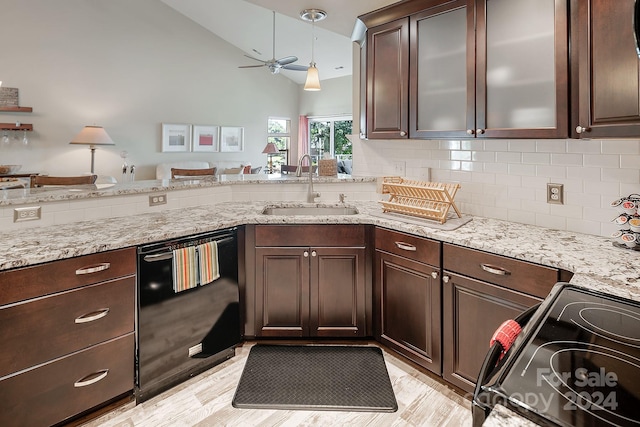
[484, 156]
[630, 161]
[583, 173]
[523, 170]
[522, 145]
[496, 145]
[631, 176]
[551, 221]
[473, 144]
[521, 216]
[553, 172]
[584, 146]
[501, 168]
[567, 159]
[624, 146]
[603, 160]
[508, 157]
[461, 155]
[450, 145]
[536, 158]
[551, 146]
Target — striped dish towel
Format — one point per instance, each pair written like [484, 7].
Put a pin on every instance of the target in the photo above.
[185, 271]
[208, 262]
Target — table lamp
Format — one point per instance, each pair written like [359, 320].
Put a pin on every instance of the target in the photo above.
[92, 136]
[270, 150]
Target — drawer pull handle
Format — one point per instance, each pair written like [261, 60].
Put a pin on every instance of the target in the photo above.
[94, 315]
[93, 268]
[91, 378]
[405, 246]
[499, 271]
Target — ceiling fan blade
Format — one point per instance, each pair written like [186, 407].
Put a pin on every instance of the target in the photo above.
[295, 67]
[255, 59]
[287, 60]
[252, 66]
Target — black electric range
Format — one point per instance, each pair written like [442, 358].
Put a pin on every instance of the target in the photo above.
[575, 363]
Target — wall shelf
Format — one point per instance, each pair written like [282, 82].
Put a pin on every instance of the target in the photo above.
[12, 126]
[16, 109]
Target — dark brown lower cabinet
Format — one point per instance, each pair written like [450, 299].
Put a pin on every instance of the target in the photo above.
[311, 291]
[472, 311]
[407, 297]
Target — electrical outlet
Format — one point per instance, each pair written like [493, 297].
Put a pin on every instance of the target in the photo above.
[399, 168]
[27, 214]
[157, 199]
[555, 193]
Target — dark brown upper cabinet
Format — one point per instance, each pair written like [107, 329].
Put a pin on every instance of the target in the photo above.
[387, 80]
[477, 69]
[608, 69]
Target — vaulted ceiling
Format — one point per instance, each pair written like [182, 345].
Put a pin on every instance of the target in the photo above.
[247, 24]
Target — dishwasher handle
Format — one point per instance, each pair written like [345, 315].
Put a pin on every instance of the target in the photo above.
[169, 254]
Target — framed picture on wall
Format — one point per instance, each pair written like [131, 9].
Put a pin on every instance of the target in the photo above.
[205, 138]
[176, 138]
[231, 139]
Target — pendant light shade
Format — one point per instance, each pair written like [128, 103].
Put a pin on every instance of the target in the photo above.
[313, 79]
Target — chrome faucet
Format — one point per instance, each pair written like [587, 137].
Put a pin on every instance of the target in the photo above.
[311, 195]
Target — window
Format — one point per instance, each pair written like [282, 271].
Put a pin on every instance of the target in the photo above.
[279, 132]
[329, 135]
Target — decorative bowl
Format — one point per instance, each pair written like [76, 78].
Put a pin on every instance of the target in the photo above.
[9, 169]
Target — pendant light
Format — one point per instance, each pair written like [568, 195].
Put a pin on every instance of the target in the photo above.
[313, 79]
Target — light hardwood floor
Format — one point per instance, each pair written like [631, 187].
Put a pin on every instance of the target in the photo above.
[205, 400]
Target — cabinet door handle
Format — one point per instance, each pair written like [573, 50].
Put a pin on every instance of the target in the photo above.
[93, 268]
[92, 316]
[479, 131]
[313, 253]
[405, 246]
[403, 133]
[91, 378]
[434, 274]
[495, 270]
[445, 279]
[305, 254]
[581, 129]
[470, 131]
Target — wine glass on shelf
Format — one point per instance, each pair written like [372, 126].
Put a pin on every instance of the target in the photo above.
[25, 139]
[5, 138]
[124, 155]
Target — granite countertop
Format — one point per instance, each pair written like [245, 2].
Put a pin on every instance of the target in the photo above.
[26, 195]
[597, 264]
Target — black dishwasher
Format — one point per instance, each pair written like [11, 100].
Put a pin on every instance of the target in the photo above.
[180, 334]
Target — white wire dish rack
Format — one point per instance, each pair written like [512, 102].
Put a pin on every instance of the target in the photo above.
[431, 200]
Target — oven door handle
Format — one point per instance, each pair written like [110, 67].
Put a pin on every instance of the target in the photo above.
[169, 254]
[492, 359]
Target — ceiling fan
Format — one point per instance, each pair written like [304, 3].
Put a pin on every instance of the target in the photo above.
[275, 65]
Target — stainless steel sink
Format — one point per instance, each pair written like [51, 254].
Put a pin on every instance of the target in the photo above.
[309, 210]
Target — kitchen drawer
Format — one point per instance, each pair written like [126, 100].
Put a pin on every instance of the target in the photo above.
[413, 247]
[43, 279]
[533, 279]
[45, 328]
[310, 235]
[54, 392]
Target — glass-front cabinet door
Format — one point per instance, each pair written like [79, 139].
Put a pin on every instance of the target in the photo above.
[522, 69]
[442, 87]
[489, 69]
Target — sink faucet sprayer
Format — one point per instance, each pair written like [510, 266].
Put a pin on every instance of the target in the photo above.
[311, 195]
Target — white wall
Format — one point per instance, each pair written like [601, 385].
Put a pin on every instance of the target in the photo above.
[128, 66]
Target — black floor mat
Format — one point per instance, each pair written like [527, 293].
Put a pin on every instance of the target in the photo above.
[338, 378]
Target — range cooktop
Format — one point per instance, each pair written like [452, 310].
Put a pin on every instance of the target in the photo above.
[578, 363]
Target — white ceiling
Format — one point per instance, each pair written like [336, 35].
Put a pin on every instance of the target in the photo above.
[247, 24]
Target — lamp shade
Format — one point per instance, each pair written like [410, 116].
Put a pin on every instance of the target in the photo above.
[313, 79]
[92, 135]
[271, 148]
